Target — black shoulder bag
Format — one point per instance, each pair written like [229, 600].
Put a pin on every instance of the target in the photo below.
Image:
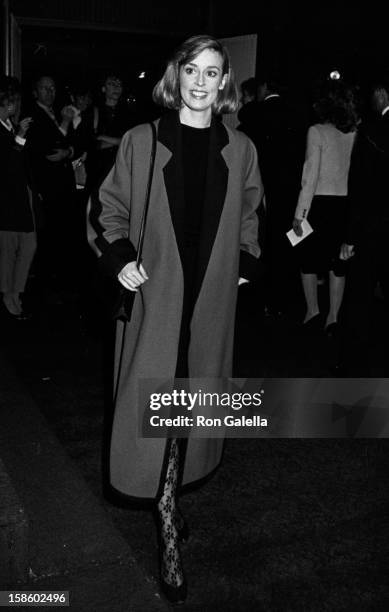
[122, 303]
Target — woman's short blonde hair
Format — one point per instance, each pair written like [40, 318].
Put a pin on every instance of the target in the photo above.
[167, 90]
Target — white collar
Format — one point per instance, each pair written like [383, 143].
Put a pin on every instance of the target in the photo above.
[386, 109]
[7, 124]
[271, 96]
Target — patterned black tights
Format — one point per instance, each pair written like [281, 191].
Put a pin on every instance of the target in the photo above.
[171, 568]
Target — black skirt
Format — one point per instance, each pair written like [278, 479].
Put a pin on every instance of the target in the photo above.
[319, 252]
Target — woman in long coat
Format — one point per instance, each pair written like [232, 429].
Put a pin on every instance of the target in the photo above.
[201, 236]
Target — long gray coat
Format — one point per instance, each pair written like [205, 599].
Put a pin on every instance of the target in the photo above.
[150, 342]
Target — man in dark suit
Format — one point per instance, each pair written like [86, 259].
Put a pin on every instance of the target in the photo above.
[51, 153]
[280, 159]
[367, 239]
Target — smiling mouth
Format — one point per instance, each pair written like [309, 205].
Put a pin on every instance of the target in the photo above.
[199, 94]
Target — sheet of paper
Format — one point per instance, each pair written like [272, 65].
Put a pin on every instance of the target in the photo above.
[294, 239]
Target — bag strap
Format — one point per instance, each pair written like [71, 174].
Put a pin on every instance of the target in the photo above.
[147, 198]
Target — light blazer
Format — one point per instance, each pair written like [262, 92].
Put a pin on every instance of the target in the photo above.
[233, 192]
[327, 164]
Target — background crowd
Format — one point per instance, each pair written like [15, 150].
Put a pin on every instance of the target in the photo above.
[327, 166]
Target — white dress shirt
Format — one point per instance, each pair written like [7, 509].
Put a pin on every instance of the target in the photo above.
[8, 126]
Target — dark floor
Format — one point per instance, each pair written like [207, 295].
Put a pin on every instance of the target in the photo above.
[285, 524]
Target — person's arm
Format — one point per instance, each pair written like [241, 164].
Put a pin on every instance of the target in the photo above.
[21, 131]
[309, 178]
[60, 154]
[252, 197]
[107, 142]
[67, 115]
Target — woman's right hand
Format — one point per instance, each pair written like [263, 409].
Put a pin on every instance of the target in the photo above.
[346, 251]
[298, 230]
[131, 277]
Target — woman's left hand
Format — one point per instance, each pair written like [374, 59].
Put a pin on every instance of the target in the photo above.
[297, 227]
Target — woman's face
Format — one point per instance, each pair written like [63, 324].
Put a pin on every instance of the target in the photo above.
[83, 101]
[8, 107]
[113, 88]
[201, 80]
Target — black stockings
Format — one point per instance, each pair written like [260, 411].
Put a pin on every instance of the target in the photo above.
[171, 568]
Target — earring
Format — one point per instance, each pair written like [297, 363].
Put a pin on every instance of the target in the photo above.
[223, 82]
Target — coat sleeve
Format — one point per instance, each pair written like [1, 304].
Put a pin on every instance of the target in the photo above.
[108, 214]
[310, 173]
[252, 197]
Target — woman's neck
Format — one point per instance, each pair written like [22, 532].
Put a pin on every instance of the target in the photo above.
[194, 118]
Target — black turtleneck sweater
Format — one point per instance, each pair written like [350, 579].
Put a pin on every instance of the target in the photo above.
[195, 143]
[195, 146]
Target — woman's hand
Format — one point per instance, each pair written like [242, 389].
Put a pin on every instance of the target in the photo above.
[131, 278]
[346, 251]
[298, 230]
[68, 113]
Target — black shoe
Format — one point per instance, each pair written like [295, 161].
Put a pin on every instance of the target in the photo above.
[313, 324]
[175, 595]
[9, 316]
[331, 330]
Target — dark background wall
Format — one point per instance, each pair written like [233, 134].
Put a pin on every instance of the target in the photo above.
[81, 40]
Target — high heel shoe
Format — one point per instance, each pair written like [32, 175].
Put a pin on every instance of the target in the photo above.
[331, 330]
[174, 594]
[312, 325]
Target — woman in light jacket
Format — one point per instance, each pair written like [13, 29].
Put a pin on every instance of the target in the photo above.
[323, 199]
[201, 236]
